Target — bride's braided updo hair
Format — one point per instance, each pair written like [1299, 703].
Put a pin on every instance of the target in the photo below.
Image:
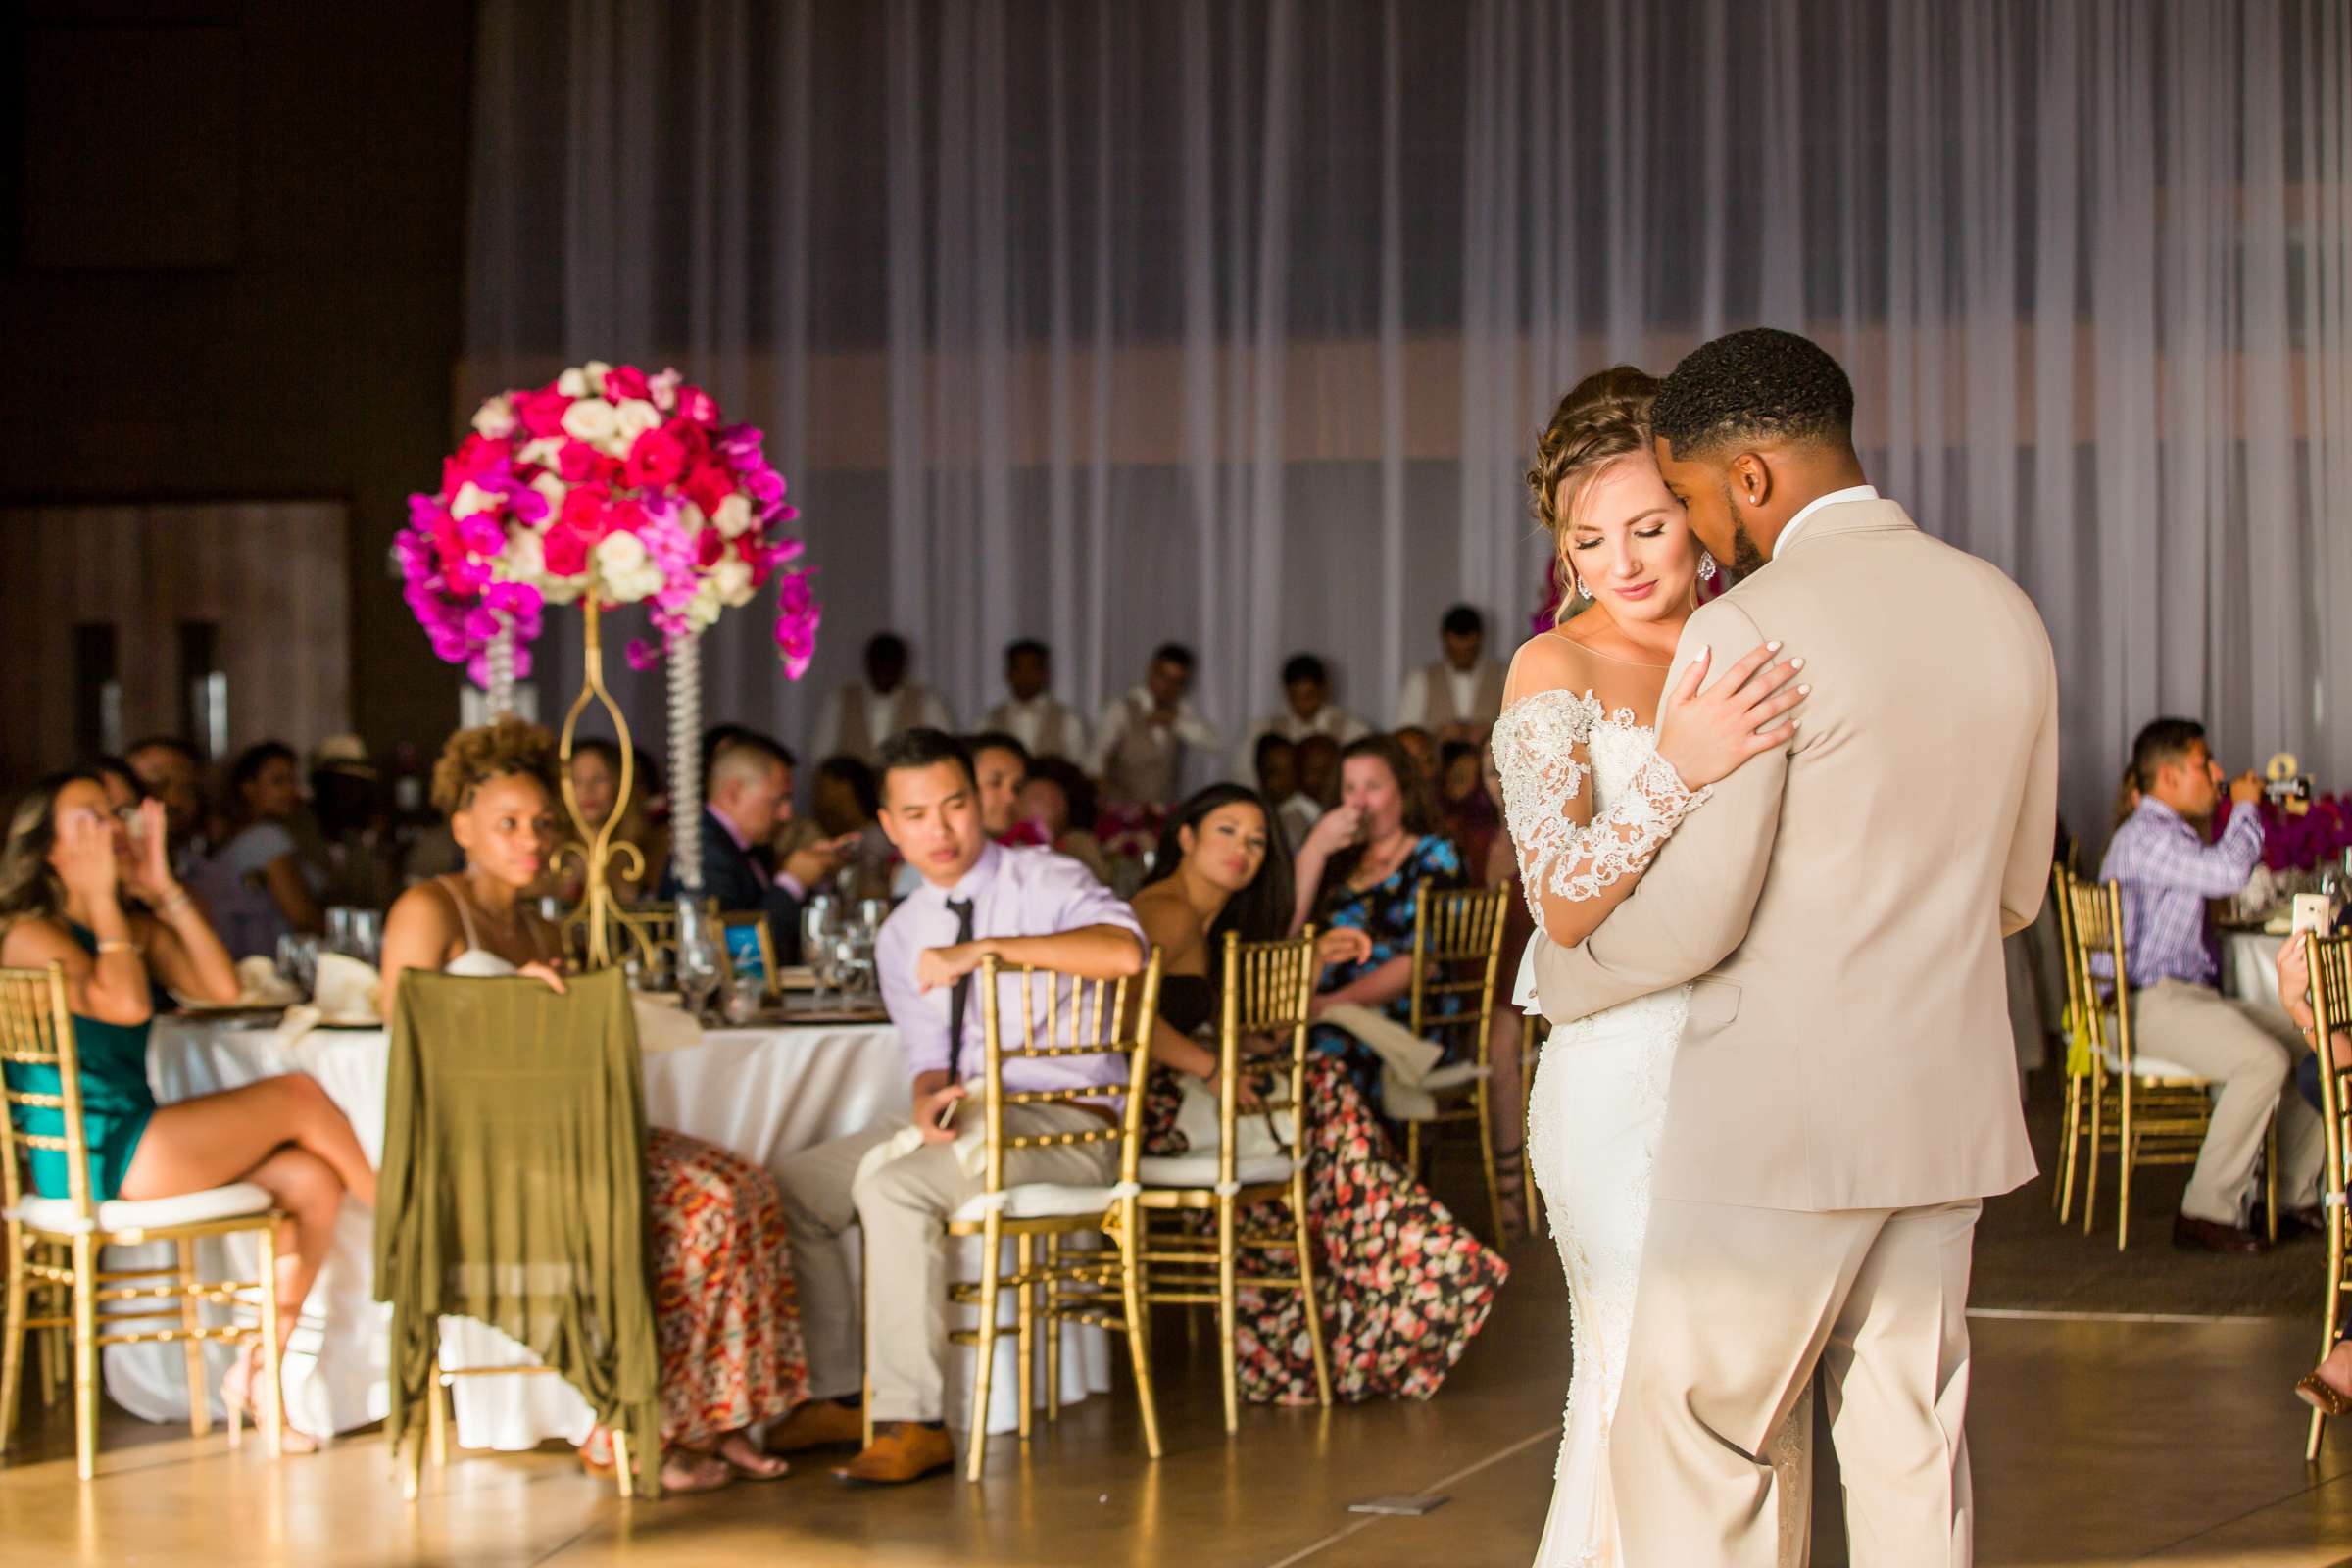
[1604, 417]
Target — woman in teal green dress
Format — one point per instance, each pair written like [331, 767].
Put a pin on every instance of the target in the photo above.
[92, 890]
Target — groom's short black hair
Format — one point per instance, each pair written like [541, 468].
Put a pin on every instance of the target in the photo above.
[1762, 384]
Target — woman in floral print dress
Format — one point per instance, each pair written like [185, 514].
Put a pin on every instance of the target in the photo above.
[1404, 1287]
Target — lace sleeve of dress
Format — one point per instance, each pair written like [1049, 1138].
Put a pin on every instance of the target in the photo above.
[1566, 849]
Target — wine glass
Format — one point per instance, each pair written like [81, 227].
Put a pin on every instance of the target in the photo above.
[699, 967]
[820, 927]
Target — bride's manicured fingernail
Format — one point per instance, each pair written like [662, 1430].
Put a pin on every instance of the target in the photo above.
[1804, 691]
[1796, 663]
[1773, 648]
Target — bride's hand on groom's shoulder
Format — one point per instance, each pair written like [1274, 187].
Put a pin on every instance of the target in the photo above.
[1706, 735]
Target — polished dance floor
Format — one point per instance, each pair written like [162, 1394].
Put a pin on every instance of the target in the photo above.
[2096, 1440]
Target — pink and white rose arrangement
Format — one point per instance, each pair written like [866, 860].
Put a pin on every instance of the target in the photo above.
[611, 479]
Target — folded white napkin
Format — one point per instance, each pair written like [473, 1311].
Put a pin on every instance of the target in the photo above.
[258, 986]
[971, 1139]
[1255, 1133]
[1405, 1058]
[348, 991]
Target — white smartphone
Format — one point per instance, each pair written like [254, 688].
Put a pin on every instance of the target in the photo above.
[2311, 914]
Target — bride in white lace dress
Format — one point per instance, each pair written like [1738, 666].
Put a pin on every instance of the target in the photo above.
[1591, 790]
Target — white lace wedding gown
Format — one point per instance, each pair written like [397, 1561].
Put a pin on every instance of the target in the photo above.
[1599, 1100]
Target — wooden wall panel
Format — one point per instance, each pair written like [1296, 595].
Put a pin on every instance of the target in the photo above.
[270, 574]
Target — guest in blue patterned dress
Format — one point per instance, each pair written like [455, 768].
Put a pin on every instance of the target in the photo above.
[1361, 868]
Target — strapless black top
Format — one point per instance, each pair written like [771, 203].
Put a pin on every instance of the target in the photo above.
[1186, 1002]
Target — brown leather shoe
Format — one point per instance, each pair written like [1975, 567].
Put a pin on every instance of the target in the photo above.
[817, 1424]
[902, 1451]
[2194, 1234]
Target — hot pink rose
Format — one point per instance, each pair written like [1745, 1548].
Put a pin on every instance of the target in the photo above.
[624, 381]
[697, 405]
[655, 458]
[565, 552]
[708, 547]
[584, 515]
[708, 486]
[542, 412]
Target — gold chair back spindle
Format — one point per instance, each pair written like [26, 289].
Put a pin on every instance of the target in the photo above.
[36, 1033]
[1458, 951]
[2331, 965]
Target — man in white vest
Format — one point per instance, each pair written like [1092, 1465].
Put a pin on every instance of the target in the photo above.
[1033, 715]
[1457, 697]
[863, 713]
[1141, 741]
[1308, 710]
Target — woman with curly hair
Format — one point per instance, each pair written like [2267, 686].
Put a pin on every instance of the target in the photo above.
[723, 1301]
[80, 888]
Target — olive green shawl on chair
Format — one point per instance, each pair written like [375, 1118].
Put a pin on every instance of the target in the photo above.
[513, 1192]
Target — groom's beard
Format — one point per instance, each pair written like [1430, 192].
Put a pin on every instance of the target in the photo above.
[1746, 556]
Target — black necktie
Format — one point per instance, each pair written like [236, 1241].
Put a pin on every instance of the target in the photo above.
[960, 997]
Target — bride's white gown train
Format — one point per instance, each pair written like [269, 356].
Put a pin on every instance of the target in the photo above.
[1600, 1099]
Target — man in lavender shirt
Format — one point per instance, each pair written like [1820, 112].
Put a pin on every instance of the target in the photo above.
[977, 900]
[2167, 873]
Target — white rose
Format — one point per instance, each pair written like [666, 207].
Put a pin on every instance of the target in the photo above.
[637, 416]
[733, 517]
[702, 612]
[643, 583]
[495, 419]
[690, 519]
[471, 499]
[573, 383]
[596, 371]
[619, 552]
[546, 452]
[525, 560]
[554, 489]
[731, 580]
[591, 420]
[562, 590]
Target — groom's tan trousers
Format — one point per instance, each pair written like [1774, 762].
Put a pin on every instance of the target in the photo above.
[1735, 1308]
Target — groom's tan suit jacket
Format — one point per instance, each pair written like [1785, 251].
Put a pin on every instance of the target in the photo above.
[1841, 905]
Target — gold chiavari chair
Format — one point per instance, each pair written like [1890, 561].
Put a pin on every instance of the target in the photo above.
[1457, 947]
[2147, 1110]
[1266, 991]
[1105, 1287]
[2077, 1063]
[2331, 964]
[37, 1039]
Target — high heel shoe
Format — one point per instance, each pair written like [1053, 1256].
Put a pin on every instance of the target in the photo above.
[2321, 1395]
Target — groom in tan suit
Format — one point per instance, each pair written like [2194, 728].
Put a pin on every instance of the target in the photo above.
[1846, 1094]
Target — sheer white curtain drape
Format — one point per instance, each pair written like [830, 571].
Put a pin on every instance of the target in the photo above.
[1232, 320]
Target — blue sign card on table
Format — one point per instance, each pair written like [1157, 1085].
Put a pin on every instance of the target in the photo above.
[744, 953]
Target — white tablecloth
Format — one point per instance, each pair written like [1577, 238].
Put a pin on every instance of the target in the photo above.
[764, 1094]
[2251, 965]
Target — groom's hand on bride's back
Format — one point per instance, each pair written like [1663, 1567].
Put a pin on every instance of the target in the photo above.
[1706, 735]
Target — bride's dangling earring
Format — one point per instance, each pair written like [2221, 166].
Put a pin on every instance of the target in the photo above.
[1706, 567]
[1582, 592]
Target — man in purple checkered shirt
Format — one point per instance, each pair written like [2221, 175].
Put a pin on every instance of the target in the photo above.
[2168, 872]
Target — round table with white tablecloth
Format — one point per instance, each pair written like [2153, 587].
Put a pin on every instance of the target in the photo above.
[764, 1094]
[2251, 965]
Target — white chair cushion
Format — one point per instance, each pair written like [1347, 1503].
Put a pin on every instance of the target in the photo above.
[1200, 1170]
[121, 1214]
[2144, 1065]
[1041, 1200]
